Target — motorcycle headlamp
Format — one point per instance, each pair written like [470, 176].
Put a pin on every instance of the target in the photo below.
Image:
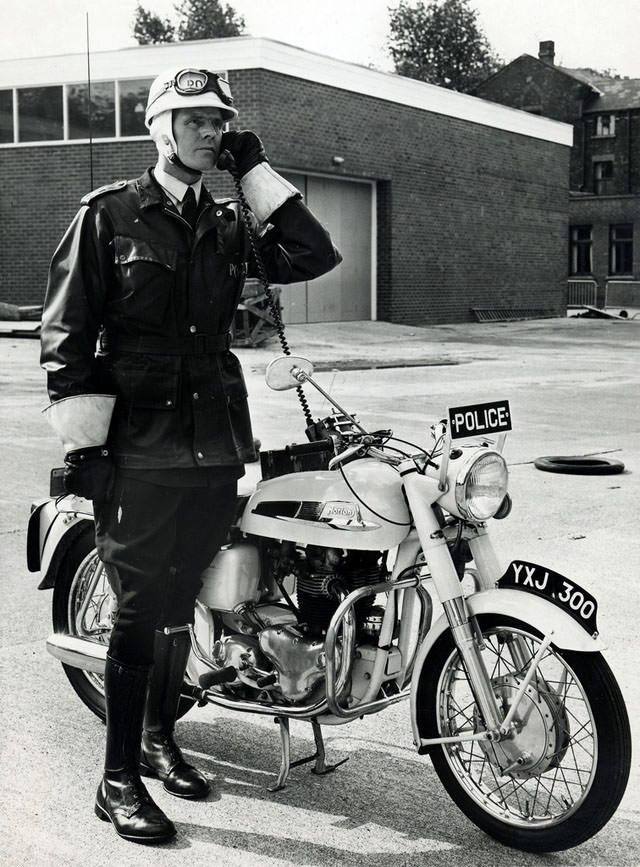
[481, 486]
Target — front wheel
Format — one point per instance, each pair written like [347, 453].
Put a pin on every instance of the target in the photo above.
[557, 778]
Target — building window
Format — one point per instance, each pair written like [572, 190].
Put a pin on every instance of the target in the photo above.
[606, 124]
[6, 116]
[61, 113]
[40, 114]
[621, 248]
[580, 250]
[133, 100]
[101, 122]
[603, 177]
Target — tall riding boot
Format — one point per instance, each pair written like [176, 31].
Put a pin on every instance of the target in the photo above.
[122, 798]
[161, 757]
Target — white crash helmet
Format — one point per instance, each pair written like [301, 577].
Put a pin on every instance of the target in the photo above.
[181, 88]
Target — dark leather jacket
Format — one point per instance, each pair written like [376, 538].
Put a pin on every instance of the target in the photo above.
[131, 267]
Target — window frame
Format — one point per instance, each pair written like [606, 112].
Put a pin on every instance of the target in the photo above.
[66, 105]
[603, 184]
[610, 130]
[577, 248]
[620, 248]
[21, 113]
[66, 140]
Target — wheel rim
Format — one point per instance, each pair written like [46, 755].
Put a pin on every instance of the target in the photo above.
[92, 608]
[543, 772]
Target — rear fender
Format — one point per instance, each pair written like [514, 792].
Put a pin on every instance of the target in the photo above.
[539, 613]
[53, 527]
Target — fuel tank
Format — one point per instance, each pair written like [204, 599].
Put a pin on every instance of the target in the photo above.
[362, 507]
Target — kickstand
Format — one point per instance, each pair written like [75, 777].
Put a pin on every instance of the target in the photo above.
[321, 767]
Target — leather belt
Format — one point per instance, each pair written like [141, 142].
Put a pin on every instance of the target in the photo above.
[195, 344]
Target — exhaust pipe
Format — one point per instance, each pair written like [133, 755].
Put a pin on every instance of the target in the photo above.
[78, 652]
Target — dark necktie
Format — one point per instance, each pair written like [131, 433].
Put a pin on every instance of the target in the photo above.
[189, 207]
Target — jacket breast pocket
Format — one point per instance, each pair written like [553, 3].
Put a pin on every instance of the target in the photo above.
[146, 278]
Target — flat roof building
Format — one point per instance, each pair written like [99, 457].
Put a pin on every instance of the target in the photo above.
[442, 204]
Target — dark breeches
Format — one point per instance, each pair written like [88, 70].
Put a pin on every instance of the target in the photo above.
[155, 540]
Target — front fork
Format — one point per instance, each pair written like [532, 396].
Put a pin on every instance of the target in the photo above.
[421, 491]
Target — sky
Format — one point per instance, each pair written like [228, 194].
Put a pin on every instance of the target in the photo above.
[602, 34]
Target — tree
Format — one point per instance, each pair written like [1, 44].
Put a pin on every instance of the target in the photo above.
[207, 19]
[196, 19]
[150, 29]
[441, 43]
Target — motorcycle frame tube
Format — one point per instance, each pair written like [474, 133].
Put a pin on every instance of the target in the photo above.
[368, 704]
[406, 556]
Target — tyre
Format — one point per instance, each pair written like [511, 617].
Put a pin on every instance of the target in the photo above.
[579, 465]
[85, 606]
[560, 774]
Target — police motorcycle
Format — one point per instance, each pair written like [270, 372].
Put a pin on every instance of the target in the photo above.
[359, 572]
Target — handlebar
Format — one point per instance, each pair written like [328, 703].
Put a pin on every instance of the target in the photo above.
[345, 455]
[363, 450]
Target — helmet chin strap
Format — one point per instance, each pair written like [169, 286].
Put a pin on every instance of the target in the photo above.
[161, 130]
[175, 160]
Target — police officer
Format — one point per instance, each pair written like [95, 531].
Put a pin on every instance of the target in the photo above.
[154, 422]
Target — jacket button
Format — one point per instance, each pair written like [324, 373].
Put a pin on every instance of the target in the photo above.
[169, 403]
[196, 396]
[200, 455]
[192, 329]
[218, 213]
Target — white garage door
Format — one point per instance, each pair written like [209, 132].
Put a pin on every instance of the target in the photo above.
[344, 294]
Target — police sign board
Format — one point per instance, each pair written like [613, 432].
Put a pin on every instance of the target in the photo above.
[479, 419]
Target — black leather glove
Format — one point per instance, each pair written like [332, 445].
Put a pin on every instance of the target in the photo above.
[246, 149]
[89, 473]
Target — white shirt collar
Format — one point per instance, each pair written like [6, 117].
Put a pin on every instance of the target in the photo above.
[174, 187]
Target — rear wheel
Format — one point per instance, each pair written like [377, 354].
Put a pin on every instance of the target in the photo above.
[560, 774]
[85, 606]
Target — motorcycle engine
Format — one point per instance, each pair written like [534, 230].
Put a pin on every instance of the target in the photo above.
[273, 651]
[325, 576]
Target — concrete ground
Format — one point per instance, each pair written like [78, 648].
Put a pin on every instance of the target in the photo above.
[574, 389]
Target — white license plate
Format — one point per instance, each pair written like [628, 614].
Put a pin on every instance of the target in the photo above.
[568, 595]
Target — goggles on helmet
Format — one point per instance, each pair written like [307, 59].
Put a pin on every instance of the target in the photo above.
[193, 82]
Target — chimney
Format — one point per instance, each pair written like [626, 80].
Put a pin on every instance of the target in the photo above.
[547, 52]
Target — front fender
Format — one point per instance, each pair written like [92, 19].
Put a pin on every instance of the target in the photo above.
[534, 610]
[53, 527]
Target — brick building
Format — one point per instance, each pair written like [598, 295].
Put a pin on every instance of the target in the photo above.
[604, 202]
[441, 203]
